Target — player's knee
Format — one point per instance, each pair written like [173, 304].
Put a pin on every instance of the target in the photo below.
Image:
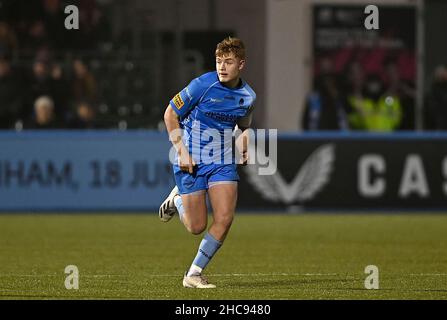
[196, 228]
[224, 220]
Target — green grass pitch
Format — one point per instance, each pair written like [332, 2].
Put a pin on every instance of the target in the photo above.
[271, 256]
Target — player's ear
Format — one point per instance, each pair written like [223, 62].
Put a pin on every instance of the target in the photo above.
[241, 64]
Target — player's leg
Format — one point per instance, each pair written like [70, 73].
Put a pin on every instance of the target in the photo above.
[192, 211]
[188, 199]
[195, 220]
[223, 198]
[222, 191]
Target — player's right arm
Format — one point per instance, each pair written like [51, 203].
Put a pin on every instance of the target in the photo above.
[179, 107]
[171, 118]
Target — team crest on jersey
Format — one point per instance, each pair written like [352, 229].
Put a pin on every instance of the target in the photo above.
[178, 101]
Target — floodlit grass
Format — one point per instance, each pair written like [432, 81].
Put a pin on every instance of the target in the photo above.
[272, 256]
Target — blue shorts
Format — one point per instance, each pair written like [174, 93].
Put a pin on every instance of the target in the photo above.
[203, 176]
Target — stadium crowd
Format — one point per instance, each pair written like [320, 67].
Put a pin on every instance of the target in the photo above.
[45, 99]
[43, 83]
[47, 79]
[376, 101]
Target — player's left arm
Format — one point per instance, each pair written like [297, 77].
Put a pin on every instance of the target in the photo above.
[243, 140]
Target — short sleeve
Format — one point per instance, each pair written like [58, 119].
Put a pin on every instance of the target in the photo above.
[188, 98]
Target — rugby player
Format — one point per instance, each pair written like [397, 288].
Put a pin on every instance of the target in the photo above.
[217, 101]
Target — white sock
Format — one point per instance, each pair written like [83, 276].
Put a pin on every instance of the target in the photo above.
[179, 205]
[194, 270]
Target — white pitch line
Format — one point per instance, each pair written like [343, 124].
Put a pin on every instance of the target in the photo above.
[272, 274]
[59, 275]
[214, 275]
[177, 275]
[250, 274]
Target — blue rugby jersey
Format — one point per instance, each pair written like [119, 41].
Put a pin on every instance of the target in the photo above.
[207, 104]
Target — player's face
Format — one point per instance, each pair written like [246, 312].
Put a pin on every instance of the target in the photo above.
[229, 68]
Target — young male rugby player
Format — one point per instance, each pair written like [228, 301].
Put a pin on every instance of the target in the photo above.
[217, 101]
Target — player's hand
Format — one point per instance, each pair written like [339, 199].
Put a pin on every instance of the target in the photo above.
[186, 162]
[244, 158]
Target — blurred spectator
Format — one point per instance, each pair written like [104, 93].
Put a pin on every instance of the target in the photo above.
[375, 110]
[39, 84]
[355, 84]
[59, 89]
[10, 95]
[54, 19]
[40, 80]
[36, 38]
[397, 87]
[356, 79]
[8, 40]
[85, 117]
[436, 102]
[84, 83]
[44, 115]
[325, 106]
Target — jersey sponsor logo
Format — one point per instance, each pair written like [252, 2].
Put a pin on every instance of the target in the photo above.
[220, 116]
[309, 181]
[214, 100]
[178, 101]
